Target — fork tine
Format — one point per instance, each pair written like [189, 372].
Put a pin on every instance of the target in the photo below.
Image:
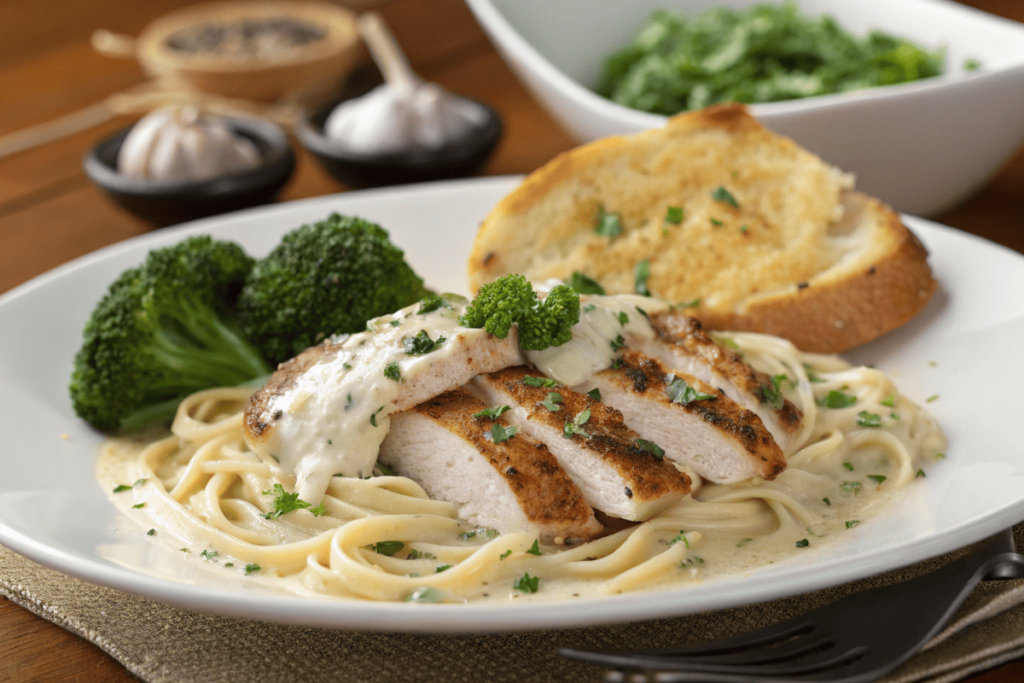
[762, 637]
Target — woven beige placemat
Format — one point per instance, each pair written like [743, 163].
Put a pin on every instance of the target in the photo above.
[161, 643]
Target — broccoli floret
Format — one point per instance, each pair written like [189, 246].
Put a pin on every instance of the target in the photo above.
[511, 299]
[325, 278]
[163, 331]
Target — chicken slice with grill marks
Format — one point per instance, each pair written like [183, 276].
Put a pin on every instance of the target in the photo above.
[508, 484]
[697, 425]
[590, 440]
[682, 346]
[327, 410]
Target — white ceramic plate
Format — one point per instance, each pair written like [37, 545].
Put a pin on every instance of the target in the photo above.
[965, 347]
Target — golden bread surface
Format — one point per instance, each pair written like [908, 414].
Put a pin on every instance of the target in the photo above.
[800, 255]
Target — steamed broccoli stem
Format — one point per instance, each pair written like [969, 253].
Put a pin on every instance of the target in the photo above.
[153, 413]
[199, 348]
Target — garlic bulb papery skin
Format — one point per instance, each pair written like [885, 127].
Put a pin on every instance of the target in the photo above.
[410, 117]
[180, 144]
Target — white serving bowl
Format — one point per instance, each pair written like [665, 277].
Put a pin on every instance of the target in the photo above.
[923, 146]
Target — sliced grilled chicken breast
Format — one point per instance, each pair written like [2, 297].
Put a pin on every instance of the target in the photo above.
[512, 485]
[590, 441]
[683, 346]
[714, 436]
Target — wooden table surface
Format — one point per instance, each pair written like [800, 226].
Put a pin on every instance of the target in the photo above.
[50, 213]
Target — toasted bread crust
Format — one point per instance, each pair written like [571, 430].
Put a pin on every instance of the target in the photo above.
[798, 254]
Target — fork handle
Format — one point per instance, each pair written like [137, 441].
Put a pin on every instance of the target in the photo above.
[1007, 563]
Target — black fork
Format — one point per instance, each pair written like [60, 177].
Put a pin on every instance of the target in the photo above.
[852, 640]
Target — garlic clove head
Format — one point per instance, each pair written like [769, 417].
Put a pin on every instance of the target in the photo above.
[181, 144]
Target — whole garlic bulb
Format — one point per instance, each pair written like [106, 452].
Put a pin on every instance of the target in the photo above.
[180, 144]
[411, 117]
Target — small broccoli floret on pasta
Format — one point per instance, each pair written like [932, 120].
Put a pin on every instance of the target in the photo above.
[163, 331]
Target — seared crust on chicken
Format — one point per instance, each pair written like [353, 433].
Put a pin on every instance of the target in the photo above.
[683, 346]
[715, 437]
[616, 475]
[513, 485]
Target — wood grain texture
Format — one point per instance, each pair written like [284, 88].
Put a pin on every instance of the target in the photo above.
[50, 213]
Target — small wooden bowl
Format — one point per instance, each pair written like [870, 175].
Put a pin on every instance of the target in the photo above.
[169, 202]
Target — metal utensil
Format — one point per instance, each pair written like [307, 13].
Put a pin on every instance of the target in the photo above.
[852, 640]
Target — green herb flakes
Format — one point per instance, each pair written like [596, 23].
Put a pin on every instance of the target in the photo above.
[208, 554]
[889, 401]
[837, 399]
[574, 427]
[535, 548]
[584, 284]
[618, 342]
[920, 473]
[373, 416]
[680, 538]
[877, 478]
[151, 532]
[802, 543]
[725, 197]
[442, 568]
[138, 506]
[552, 402]
[641, 274]
[421, 344]
[527, 583]
[501, 434]
[388, 548]
[594, 394]
[392, 372]
[284, 502]
[682, 393]
[251, 567]
[674, 215]
[650, 447]
[543, 382]
[866, 419]
[852, 523]
[492, 413]
[505, 554]
[771, 395]
[425, 594]
[608, 224]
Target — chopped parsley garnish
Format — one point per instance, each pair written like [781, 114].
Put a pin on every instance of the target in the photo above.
[395, 323]
[877, 478]
[574, 426]
[618, 342]
[209, 554]
[151, 532]
[650, 447]
[852, 523]
[584, 284]
[442, 568]
[431, 304]
[392, 372]
[724, 196]
[124, 487]
[319, 510]
[933, 397]
[616, 363]
[682, 393]
[715, 222]
[138, 506]
[837, 399]
[419, 555]
[681, 538]
[501, 434]
[552, 401]
[388, 548]
[425, 594]
[812, 375]
[641, 274]
[971, 64]
[850, 486]
[848, 465]
[505, 554]
[544, 382]
[373, 416]
[608, 224]
[492, 413]
[484, 531]
[594, 394]
[588, 308]
[802, 543]
[284, 502]
[674, 215]
[421, 344]
[692, 303]
[772, 396]
[384, 469]
[251, 567]
[920, 473]
[743, 229]
[826, 501]
[527, 583]
[866, 419]
[623, 318]
[889, 401]
[535, 548]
